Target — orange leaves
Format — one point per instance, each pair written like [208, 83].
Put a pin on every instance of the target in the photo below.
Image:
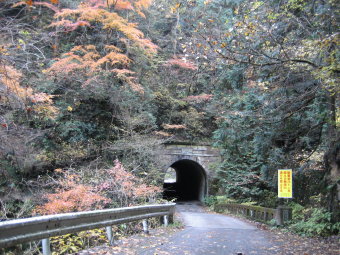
[199, 99]
[137, 6]
[45, 4]
[88, 59]
[123, 74]
[162, 134]
[80, 23]
[123, 5]
[71, 197]
[43, 105]
[69, 25]
[143, 3]
[147, 45]
[114, 58]
[79, 58]
[78, 198]
[181, 63]
[175, 7]
[172, 126]
[41, 98]
[89, 62]
[89, 12]
[69, 63]
[144, 191]
[13, 94]
[10, 78]
[30, 2]
[125, 186]
[112, 48]
[11, 91]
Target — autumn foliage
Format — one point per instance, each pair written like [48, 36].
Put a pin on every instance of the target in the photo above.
[115, 187]
[174, 126]
[16, 96]
[89, 60]
[180, 63]
[48, 4]
[71, 196]
[199, 98]
[125, 188]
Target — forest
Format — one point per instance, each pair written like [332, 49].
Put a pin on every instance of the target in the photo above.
[89, 90]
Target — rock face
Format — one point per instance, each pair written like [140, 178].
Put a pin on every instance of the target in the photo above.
[194, 170]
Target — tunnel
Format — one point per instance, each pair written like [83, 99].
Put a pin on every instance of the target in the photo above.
[188, 181]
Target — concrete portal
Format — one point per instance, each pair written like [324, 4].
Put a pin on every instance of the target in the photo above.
[194, 170]
[190, 183]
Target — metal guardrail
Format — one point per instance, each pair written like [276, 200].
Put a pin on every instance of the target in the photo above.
[18, 231]
[281, 214]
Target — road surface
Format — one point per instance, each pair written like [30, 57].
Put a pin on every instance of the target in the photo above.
[209, 233]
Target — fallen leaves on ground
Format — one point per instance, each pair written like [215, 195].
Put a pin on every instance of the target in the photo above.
[136, 243]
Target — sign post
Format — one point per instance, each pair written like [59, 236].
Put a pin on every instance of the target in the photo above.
[285, 183]
[285, 190]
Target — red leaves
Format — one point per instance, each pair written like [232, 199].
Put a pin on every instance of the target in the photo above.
[122, 184]
[173, 126]
[181, 63]
[199, 99]
[73, 26]
[46, 4]
[123, 5]
[88, 63]
[71, 196]
[118, 184]
[78, 198]
[30, 2]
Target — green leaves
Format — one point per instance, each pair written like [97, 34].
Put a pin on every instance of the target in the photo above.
[318, 223]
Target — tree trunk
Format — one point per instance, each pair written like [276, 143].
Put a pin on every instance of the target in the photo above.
[332, 163]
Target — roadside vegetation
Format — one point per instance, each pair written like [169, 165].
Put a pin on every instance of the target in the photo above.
[89, 90]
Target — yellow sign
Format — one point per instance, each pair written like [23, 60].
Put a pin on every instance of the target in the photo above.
[285, 183]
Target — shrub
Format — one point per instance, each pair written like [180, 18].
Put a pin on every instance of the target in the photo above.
[317, 224]
[72, 243]
[124, 188]
[210, 200]
[71, 196]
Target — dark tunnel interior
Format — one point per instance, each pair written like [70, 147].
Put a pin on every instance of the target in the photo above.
[190, 182]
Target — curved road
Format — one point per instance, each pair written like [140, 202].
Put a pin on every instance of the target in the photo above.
[208, 233]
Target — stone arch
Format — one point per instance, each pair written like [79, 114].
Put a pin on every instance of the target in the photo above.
[191, 181]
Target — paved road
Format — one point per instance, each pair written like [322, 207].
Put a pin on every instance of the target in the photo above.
[208, 233]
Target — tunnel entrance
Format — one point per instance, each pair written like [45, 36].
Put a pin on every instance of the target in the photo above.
[185, 180]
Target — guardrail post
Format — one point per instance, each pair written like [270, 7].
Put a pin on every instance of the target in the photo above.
[109, 235]
[283, 214]
[46, 249]
[166, 220]
[171, 216]
[145, 227]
